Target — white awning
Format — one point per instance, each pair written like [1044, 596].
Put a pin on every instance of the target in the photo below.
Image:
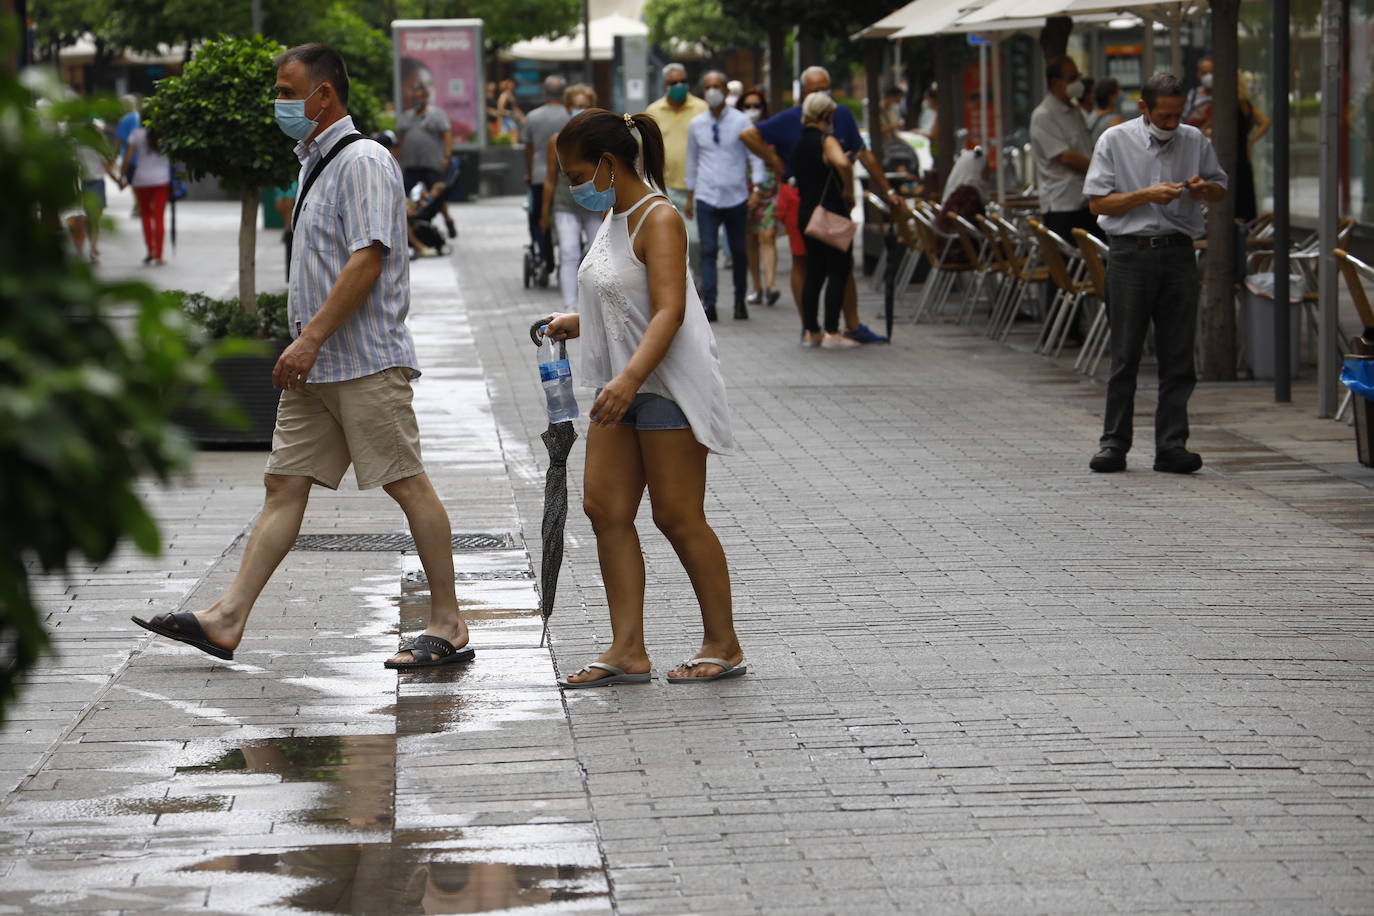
[1027, 9]
[567, 49]
[934, 16]
[997, 26]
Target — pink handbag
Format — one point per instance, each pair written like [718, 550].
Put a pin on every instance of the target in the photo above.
[833, 229]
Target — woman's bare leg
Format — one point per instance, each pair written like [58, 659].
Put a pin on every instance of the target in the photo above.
[751, 245]
[767, 240]
[675, 468]
[613, 485]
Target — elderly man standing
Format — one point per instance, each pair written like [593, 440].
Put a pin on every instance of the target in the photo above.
[539, 127]
[347, 375]
[718, 190]
[674, 113]
[426, 137]
[774, 141]
[1062, 147]
[1146, 184]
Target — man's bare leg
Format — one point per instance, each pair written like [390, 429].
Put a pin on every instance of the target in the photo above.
[430, 527]
[273, 534]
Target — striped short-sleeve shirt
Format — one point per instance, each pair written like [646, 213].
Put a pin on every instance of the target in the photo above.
[357, 200]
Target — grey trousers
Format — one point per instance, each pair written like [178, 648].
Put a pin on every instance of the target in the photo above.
[1144, 285]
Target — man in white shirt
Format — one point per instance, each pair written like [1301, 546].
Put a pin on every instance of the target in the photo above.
[718, 190]
[1061, 145]
[1148, 179]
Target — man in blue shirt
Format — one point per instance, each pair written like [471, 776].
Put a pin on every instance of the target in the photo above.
[773, 141]
[718, 189]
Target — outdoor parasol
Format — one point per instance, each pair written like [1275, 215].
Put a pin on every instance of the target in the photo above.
[558, 439]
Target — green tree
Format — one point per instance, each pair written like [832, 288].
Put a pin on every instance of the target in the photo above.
[673, 23]
[504, 21]
[216, 119]
[84, 405]
[367, 52]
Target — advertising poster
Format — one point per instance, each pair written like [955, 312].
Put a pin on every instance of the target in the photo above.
[445, 57]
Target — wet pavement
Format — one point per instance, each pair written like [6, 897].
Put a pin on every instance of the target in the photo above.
[982, 679]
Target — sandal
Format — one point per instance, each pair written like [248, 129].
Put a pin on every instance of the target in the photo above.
[430, 652]
[614, 675]
[184, 627]
[729, 671]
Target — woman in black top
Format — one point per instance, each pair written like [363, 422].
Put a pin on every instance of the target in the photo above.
[824, 179]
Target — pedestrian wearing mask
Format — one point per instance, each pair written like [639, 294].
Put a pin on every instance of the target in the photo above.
[674, 113]
[1062, 148]
[718, 191]
[347, 374]
[660, 408]
[824, 179]
[1197, 111]
[762, 240]
[1147, 182]
[426, 140]
[576, 225]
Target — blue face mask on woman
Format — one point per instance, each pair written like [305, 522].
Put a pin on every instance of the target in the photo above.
[290, 114]
[588, 196]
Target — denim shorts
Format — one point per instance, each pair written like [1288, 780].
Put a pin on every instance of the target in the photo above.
[654, 412]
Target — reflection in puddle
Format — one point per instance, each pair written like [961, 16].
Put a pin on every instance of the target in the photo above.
[439, 876]
[360, 771]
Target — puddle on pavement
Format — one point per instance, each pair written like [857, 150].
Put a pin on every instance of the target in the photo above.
[420, 872]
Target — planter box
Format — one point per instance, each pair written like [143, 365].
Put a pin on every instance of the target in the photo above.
[248, 382]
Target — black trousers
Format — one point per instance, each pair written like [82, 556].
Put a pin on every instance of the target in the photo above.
[543, 238]
[1144, 285]
[829, 268]
[1062, 223]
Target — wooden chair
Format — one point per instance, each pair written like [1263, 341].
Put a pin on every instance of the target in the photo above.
[1099, 338]
[937, 247]
[1355, 273]
[1027, 270]
[1065, 266]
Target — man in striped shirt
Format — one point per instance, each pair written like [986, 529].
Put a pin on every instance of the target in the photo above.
[346, 376]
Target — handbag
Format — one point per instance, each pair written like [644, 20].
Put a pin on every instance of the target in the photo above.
[834, 229]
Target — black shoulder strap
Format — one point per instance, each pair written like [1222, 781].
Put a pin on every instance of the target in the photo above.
[315, 173]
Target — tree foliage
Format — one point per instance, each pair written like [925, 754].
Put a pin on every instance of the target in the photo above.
[504, 21]
[216, 118]
[673, 23]
[84, 406]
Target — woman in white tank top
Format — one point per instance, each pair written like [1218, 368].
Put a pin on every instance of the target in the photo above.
[660, 407]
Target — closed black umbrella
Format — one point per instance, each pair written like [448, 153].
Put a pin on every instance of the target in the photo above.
[558, 439]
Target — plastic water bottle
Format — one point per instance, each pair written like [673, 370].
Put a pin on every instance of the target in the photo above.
[556, 375]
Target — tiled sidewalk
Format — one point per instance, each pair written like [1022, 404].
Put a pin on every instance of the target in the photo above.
[983, 680]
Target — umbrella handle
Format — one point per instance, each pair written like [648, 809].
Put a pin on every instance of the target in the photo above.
[535, 328]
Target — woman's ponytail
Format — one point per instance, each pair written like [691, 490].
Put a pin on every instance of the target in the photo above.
[651, 149]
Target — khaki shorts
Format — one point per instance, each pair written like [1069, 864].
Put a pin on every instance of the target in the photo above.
[367, 422]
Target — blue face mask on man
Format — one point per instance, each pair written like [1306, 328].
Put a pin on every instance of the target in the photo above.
[589, 197]
[290, 114]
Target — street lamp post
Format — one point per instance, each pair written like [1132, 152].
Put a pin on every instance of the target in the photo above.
[587, 42]
[1279, 61]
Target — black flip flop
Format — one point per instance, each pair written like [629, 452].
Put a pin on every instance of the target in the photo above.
[430, 652]
[184, 627]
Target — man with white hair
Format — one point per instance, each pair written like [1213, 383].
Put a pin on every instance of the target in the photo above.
[773, 141]
[539, 127]
[674, 113]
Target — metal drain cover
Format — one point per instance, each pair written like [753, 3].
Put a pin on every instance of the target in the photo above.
[467, 540]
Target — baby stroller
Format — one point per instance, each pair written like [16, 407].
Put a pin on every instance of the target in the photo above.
[535, 270]
[420, 214]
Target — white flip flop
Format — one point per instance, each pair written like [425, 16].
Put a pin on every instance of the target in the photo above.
[614, 675]
[729, 671]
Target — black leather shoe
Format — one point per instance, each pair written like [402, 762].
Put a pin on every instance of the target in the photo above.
[741, 311]
[1177, 461]
[710, 312]
[1108, 460]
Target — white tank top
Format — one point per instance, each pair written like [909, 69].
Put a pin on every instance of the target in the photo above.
[613, 302]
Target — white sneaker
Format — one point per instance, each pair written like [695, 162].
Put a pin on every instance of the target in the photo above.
[810, 340]
[754, 298]
[838, 342]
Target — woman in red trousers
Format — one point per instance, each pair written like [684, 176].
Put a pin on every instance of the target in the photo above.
[150, 173]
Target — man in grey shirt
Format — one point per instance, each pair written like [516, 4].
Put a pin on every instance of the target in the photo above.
[1147, 181]
[426, 143]
[539, 127]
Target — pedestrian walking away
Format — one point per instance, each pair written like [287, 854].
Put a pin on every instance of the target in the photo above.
[1148, 179]
[773, 141]
[347, 374]
[576, 226]
[536, 133]
[152, 181]
[718, 191]
[1062, 147]
[660, 406]
[825, 181]
[674, 113]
